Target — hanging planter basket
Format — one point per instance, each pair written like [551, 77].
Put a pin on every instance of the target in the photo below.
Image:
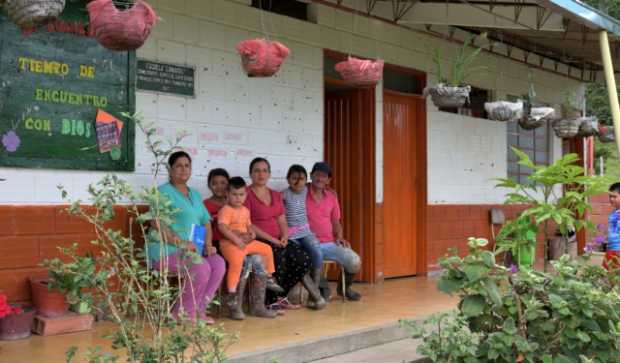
[27, 13]
[360, 72]
[504, 111]
[444, 95]
[566, 128]
[538, 116]
[588, 127]
[120, 30]
[606, 134]
[260, 57]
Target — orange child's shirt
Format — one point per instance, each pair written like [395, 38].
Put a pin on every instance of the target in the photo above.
[237, 219]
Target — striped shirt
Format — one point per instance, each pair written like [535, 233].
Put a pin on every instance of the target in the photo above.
[295, 213]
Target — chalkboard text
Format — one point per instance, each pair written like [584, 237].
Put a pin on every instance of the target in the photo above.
[52, 67]
[38, 125]
[72, 98]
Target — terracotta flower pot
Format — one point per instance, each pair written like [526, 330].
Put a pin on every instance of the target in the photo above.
[47, 302]
[17, 326]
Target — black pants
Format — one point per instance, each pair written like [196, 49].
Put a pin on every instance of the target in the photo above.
[292, 263]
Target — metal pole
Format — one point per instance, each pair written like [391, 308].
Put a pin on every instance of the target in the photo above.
[611, 84]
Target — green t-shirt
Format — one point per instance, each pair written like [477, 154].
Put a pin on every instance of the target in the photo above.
[190, 211]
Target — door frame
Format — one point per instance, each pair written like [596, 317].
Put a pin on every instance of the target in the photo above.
[421, 184]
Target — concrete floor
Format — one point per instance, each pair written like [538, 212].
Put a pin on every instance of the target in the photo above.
[381, 304]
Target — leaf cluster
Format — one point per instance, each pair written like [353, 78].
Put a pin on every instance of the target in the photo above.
[569, 316]
[459, 65]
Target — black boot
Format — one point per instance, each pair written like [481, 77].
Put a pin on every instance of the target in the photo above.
[318, 302]
[235, 301]
[257, 297]
[349, 293]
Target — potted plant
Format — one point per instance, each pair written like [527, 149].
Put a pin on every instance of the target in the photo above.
[260, 57]
[360, 72]
[26, 13]
[504, 110]
[121, 29]
[544, 206]
[73, 279]
[451, 91]
[606, 134]
[15, 321]
[534, 116]
[568, 125]
[518, 237]
[47, 301]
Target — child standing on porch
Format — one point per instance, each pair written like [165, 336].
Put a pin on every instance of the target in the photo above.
[234, 222]
[612, 256]
[297, 218]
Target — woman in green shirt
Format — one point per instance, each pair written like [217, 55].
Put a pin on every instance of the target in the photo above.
[201, 279]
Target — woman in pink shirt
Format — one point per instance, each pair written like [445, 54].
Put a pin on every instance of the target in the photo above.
[267, 214]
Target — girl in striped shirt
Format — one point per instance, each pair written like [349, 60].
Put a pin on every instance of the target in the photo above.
[297, 220]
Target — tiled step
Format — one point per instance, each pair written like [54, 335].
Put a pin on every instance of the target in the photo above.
[329, 346]
[395, 352]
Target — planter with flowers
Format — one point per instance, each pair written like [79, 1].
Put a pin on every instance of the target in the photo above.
[15, 321]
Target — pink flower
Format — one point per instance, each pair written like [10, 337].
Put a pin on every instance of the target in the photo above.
[600, 227]
[513, 269]
[599, 240]
[588, 248]
[5, 308]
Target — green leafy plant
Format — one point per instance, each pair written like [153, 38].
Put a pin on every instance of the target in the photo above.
[74, 278]
[138, 299]
[505, 315]
[541, 193]
[459, 66]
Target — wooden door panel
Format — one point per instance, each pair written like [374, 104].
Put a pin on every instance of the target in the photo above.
[349, 149]
[400, 173]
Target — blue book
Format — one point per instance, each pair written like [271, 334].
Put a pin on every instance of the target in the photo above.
[198, 235]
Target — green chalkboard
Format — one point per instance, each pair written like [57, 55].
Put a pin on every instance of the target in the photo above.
[53, 81]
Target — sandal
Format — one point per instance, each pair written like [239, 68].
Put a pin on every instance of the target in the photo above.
[285, 304]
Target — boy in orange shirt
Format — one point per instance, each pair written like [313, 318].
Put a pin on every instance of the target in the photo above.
[234, 223]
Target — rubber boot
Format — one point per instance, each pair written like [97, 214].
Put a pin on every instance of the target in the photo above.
[326, 291]
[318, 302]
[316, 276]
[349, 293]
[257, 297]
[235, 301]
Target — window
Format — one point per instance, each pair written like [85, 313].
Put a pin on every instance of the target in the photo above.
[294, 9]
[535, 143]
[475, 107]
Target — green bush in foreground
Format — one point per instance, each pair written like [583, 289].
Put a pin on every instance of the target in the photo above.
[571, 314]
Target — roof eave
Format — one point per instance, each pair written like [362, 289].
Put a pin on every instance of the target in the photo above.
[584, 14]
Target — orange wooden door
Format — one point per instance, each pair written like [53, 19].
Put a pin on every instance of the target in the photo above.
[349, 149]
[400, 181]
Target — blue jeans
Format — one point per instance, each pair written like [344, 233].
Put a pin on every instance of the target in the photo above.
[311, 245]
[345, 257]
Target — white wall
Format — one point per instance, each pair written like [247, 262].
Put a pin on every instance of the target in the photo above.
[233, 118]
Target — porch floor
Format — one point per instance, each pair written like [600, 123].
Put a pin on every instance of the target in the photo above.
[381, 304]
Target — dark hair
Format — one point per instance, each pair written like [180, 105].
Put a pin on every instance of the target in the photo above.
[236, 182]
[296, 168]
[615, 187]
[176, 155]
[258, 160]
[217, 172]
